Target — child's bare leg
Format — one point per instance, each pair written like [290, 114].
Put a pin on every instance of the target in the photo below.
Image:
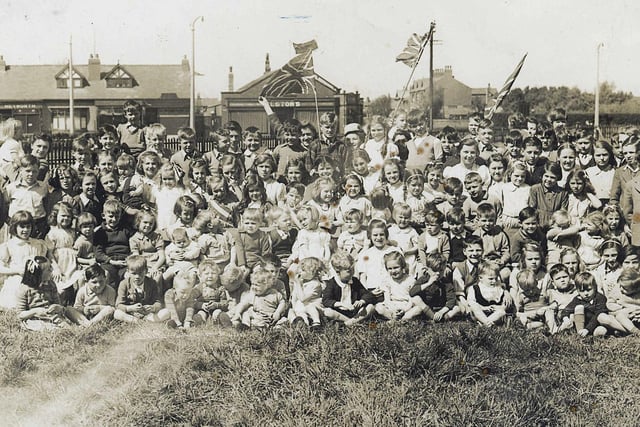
[600, 331]
[105, 313]
[313, 314]
[550, 320]
[623, 318]
[124, 317]
[455, 311]
[535, 324]
[496, 317]
[412, 313]
[606, 319]
[76, 316]
[161, 316]
[523, 318]
[330, 313]
[383, 311]
[428, 312]
[246, 317]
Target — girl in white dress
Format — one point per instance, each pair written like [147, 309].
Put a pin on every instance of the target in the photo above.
[14, 254]
[60, 240]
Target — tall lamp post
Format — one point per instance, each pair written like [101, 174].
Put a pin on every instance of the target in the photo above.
[192, 103]
[596, 114]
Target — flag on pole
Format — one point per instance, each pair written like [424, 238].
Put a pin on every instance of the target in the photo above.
[410, 55]
[296, 76]
[506, 88]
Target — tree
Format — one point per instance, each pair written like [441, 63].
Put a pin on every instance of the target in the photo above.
[609, 95]
[380, 106]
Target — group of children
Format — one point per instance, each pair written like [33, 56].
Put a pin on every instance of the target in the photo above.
[386, 222]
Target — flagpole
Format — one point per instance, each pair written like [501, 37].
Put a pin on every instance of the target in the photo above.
[433, 29]
[315, 97]
[428, 36]
[596, 113]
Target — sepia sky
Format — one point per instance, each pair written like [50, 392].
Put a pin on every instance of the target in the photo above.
[358, 39]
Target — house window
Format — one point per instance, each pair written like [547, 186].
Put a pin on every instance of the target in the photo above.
[60, 119]
[64, 83]
[118, 77]
[119, 82]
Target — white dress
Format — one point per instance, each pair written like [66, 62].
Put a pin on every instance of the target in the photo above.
[60, 243]
[166, 199]
[14, 254]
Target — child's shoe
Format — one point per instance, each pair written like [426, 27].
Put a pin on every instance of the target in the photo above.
[224, 320]
[298, 322]
[198, 319]
[171, 324]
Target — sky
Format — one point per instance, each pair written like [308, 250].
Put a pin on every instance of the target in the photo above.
[358, 40]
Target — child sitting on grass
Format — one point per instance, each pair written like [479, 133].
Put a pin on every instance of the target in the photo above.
[588, 309]
[559, 296]
[435, 289]
[95, 300]
[370, 268]
[182, 254]
[138, 295]
[214, 300]
[39, 305]
[529, 302]
[465, 273]
[262, 306]
[306, 292]
[398, 304]
[232, 279]
[249, 242]
[628, 301]
[180, 304]
[14, 253]
[488, 301]
[344, 297]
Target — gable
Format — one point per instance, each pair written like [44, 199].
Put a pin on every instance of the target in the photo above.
[62, 78]
[119, 77]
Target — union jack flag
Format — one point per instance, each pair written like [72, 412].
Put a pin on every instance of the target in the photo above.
[296, 76]
[506, 88]
[410, 55]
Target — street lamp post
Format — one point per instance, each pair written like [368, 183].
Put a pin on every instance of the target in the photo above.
[596, 114]
[192, 103]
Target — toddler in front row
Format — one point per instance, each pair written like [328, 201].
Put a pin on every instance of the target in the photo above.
[262, 305]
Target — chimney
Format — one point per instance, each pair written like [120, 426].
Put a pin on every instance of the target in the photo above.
[185, 64]
[3, 64]
[94, 68]
[448, 71]
[230, 79]
[267, 65]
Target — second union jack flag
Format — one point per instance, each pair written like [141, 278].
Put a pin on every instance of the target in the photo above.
[296, 76]
[411, 53]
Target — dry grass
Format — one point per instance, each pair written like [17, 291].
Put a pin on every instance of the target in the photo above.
[383, 375]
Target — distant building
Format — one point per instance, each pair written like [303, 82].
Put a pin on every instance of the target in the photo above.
[242, 105]
[458, 99]
[38, 95]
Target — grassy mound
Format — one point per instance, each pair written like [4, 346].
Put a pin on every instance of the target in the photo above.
[377, 374]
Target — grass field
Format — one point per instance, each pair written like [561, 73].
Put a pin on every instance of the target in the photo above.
[379, 374]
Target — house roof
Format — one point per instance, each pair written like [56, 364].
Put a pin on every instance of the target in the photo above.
[38, 82]
[263, 79]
